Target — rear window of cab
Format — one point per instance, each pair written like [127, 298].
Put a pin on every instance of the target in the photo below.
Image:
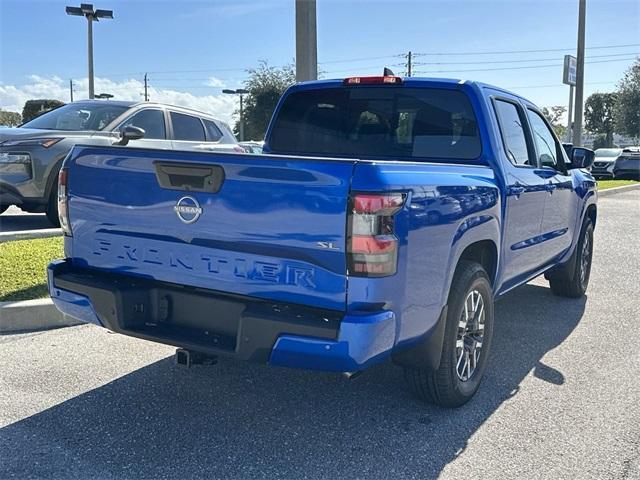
[387, 122]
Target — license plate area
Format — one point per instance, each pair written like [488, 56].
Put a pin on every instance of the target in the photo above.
[180, 316]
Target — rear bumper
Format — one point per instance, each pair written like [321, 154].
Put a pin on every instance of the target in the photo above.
[223, 324]
[632, 173]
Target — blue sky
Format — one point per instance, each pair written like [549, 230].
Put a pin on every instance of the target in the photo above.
[192, 49]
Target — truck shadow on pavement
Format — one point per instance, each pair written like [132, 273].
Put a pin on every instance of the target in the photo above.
[242, 420]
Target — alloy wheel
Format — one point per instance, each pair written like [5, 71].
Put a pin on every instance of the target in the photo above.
[470, 336]
[585, 260]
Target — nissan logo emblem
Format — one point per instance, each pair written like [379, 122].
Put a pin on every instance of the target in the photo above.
[188, 209]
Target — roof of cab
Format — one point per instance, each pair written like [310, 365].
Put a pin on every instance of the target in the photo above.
[409, 81]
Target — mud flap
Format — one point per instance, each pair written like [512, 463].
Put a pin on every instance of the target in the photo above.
[427, 352]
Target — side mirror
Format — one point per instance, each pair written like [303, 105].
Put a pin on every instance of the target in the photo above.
[582, 157]
[547, 160]
[130, 133]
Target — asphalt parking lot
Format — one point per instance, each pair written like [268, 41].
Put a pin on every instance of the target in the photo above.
[560, 400]
[14, 220]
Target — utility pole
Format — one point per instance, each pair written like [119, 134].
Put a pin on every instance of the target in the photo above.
[409, 64]
[577, 132]
[569, 135]
[240, 92]
[146, 93]
[71, 88]
[306, 41]
[241, 120]
[90, 56]
[86, 10]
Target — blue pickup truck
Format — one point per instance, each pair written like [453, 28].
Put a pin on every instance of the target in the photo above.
[385, 217]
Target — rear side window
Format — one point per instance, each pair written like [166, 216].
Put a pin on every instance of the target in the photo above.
[187, 128]
[393, 122]
[151, 121]
[512, 129]
[213, 132]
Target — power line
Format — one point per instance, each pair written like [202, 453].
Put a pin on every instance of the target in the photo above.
[500, 52]
[610, 82]
[361, 59]
[521, 67]
[176, 80]
[483, 62]
[358, 59]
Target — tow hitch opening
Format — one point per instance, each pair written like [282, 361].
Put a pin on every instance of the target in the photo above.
[188, 358]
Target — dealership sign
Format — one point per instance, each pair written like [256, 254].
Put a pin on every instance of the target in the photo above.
[569, 74]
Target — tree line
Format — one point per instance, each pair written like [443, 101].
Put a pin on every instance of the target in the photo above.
[32, 108]
[608, 113]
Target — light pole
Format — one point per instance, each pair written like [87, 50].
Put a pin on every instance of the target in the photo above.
[240, 92]
[579, 101]
[86, 10]
[306, 41]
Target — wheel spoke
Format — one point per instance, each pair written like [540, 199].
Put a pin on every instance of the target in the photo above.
[460, 358]
[467, 364]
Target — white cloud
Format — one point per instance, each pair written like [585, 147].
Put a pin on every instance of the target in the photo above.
[12, 97]
[214, 82]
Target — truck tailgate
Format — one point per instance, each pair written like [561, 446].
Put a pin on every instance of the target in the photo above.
[264, 226]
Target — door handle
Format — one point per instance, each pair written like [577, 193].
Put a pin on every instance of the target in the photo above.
[516, 190]
[550, 187]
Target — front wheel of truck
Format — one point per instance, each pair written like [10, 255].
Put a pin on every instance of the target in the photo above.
[467, 341]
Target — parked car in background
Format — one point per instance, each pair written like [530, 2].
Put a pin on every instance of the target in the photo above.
[604, 161]
[627, 165]
[32, 154]
[252, 147]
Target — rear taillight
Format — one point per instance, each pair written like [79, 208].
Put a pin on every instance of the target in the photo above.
[63, 208]
[372, 244]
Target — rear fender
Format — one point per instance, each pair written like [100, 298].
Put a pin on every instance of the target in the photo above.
[474, 229]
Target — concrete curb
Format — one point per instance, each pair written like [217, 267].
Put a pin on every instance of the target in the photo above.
[29, 234]
[615, 190]
[30, 315]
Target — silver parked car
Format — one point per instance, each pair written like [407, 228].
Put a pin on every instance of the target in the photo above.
[603, 162]
[31, 155]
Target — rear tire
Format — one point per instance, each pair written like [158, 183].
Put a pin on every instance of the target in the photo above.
[52, 208]
[465, 349]
[573, 282]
